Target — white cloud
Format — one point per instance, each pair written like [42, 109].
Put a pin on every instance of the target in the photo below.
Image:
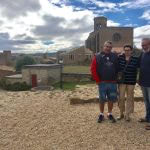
[124, 4]
[141, 32]
[62, 25]
[59, 2]
[146, 15]
[135, 4]
[55, 1]
[106, 7]
[85, 1]
[13, 9]
[131, 25]
[112, 23]
[68, 12]
[67, 26]
[104, 4]
[92, 8]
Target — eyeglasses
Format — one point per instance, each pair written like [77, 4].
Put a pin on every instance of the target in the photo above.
[109, 46]
[127, 50]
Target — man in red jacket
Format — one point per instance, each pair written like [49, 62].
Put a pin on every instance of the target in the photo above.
[104, 69]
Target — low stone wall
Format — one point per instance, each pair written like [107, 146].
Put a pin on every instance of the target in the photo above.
[14, 78]
[4, 73]
[78, 96]
[68, 77]
[78, 100]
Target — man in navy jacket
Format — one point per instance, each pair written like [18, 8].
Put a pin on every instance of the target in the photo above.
[144, 79]
[104, 69]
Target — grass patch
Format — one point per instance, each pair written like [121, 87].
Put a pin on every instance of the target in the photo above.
[72, 85]
[76, 69]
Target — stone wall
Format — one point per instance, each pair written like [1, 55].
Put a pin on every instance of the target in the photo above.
[54, 75]
[26, 76]
[13, 80]
[73, 77]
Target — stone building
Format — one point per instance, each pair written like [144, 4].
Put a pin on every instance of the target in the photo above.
[77, 56]
[38, 75]
[41, 74]
[5, 57]
[118, 35]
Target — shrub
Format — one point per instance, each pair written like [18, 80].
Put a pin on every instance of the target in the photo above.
[17, 86]
[26, 60]
[4, 83]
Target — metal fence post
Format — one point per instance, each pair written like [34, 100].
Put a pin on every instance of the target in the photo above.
[61, 74]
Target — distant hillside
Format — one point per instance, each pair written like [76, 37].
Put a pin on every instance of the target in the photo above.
[48, 54]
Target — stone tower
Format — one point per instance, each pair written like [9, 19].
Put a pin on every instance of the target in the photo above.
[118, 35]
[5, 57]
[99, 22]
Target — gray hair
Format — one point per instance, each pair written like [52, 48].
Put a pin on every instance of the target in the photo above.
[108, 42]
[145, 39]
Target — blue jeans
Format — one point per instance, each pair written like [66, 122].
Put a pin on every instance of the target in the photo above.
[146, 94]
[107, 92]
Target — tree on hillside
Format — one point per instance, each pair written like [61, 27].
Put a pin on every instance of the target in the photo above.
[25, 60]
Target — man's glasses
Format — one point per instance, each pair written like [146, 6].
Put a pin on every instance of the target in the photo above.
[127, 50]
[144, 45]
[109, 46]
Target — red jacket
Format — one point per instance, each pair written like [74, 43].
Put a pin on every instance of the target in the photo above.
[93, 70]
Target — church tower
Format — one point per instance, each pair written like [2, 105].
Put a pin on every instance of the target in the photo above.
[99, 22]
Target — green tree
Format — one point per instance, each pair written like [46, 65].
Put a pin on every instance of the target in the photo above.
[25, 60]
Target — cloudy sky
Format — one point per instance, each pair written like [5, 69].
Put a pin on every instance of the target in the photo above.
[52, 25]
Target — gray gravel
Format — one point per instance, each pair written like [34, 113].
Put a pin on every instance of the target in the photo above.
[45, 120]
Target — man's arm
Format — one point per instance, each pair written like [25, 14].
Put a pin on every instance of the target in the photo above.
[139, 60]
[118, 64]
[93, 70]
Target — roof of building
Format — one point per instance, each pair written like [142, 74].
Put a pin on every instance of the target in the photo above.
[42, 66]
[16, 76]
[81, 48]
[73, 49]
[87, 50]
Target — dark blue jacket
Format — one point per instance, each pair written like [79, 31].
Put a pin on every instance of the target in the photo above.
[144, 79]
[107, 66]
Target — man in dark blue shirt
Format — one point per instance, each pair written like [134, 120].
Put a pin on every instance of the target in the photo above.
[144, 79]
[104, 70]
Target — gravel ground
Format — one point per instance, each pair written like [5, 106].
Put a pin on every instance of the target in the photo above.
[45, 120]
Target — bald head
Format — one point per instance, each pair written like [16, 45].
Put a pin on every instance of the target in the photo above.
[145, 44]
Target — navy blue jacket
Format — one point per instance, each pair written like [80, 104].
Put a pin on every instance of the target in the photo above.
[107, 66]
[144, 79]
